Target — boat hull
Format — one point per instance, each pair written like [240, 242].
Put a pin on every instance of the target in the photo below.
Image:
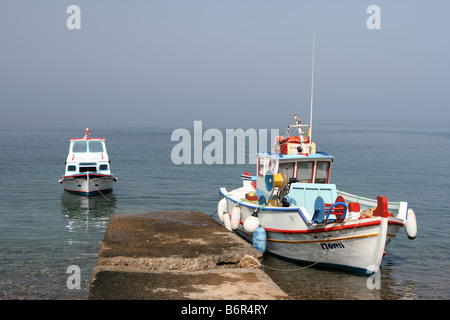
[347, 249]
[88, 185]
[354, 245]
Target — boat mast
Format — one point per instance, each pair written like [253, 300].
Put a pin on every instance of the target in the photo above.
[312, 87]
[86, 136]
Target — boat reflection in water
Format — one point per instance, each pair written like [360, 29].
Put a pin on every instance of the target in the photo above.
[87, 213]
[304, 282]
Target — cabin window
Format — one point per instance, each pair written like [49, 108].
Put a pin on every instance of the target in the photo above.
[71, 168]
[103, 167]
[79, 146]
[272, 165]
[287, 168]
[86, 169]
[95, 146]
[322, 171]
[88, 164]
[260, 166]
[304, 171]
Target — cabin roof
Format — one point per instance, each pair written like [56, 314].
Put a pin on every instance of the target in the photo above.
[89, 139]
[316, 156]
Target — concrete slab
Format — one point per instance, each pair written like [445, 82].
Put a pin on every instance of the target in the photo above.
[177, 256]
[124, 283]
[171, 241]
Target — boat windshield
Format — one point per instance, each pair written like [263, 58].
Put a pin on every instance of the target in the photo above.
[82, 146]
[305, 171]
[322, 172]
[95, 146]
[79, 146]
[287, 168]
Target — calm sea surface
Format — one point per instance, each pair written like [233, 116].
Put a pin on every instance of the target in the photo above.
[44, 230]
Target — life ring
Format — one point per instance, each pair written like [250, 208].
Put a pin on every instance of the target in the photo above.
[292, 139]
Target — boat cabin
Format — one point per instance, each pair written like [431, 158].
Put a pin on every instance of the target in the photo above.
[311, 168]
[87, 155]
[307, 169]
[294, 161]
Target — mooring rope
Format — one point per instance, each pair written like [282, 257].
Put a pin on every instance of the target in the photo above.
[312, 264]
[99, 191]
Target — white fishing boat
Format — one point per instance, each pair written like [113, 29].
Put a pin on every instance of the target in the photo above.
[88, 170]
[290, 209]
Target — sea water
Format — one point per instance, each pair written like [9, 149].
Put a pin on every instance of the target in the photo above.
[44, 230]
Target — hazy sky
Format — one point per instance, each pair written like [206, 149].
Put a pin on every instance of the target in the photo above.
[230, 63]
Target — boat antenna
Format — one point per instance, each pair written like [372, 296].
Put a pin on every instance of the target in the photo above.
[86, 136]
[312, 87]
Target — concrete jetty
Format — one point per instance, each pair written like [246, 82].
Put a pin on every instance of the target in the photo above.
[177, 256]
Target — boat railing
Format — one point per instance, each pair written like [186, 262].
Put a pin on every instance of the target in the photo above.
[399, 208]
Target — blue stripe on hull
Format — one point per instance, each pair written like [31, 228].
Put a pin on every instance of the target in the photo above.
[89, 194]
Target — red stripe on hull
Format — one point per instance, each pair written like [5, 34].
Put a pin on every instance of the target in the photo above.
[326, 229]
[337, 228]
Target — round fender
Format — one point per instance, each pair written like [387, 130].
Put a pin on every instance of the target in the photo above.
[227, 221]
[222, 208]
[411, 225]
[251, 223]
[235, 218]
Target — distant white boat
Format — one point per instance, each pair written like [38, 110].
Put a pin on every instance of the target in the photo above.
[290, 209]
[88, 170]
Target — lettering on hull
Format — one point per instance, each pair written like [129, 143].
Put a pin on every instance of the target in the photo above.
[331, 246]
